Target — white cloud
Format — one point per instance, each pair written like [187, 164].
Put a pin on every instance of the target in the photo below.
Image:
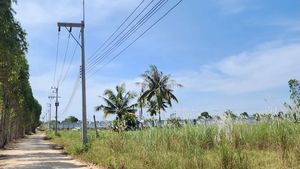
[267, 67]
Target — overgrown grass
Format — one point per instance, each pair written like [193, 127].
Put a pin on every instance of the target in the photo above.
[226, 146]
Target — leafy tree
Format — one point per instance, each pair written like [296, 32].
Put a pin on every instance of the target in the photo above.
[158, 91]
[205, 115]
[174, 121]
[244, 115]
[19, 110]
[256, 116]
[295, 91]
[71, 119]
[229, 114]
[294, 110]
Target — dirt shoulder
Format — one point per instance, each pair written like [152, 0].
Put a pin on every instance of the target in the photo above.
[33, 152]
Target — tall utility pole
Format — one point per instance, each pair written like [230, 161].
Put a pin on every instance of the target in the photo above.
[50, 105]
[56, 106]
[81, 26]
[49, 120]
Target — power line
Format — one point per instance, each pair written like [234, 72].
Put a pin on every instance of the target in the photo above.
[56, 58]
[90, 59]
[163, 16]
[71, 61]
[75, 88]
[130, 32]
[89, 63]
[64, 61]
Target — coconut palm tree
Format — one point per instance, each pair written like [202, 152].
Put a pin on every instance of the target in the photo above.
[158, 90]
[118, 103]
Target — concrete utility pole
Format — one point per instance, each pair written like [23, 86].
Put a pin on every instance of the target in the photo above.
[81, 26]
[49, 120]
[50, 105]
[56, 106]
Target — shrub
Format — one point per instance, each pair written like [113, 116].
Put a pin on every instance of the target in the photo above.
[126, 122]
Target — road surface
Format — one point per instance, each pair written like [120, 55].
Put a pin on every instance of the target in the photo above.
[33, 152]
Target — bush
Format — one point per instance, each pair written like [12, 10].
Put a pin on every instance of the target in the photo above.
[126, 122]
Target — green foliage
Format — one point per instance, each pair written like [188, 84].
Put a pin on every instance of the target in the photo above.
[173, 121]
[295, 91]
[244, 115]
[71, 119]
[294, 110]
[127, 122]
[205, 116]
[157, 91]
[20, 110]
[118, 103]
[250, 145]
[230, 115]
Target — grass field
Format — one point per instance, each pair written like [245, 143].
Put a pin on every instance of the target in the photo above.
[228, 145]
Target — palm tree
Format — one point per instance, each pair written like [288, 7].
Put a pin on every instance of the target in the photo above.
[158, 90]
[118, 103]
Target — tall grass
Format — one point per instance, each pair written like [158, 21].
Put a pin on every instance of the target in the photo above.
[227, 146]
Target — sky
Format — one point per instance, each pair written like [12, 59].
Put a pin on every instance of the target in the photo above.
[227, 54]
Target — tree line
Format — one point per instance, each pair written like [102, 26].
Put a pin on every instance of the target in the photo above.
[19, 110]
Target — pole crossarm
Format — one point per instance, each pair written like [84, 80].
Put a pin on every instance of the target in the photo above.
[69, 24]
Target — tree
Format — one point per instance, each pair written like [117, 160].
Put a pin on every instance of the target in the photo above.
[158, 91]
[295, 91]
[71, 119]
[294, 110]
[229, 114]
[244, 115]
[19, 111]
[256, 116]
[118, 103]
[205, 115]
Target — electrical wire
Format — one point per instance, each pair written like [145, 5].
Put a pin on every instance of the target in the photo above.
[88, 65]
[75, 89]
[90, 59]
[56, 58]
[71, 61]
[130, 32]
[64, 61]
[162, 17]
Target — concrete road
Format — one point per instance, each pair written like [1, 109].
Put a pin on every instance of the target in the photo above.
[33, 152]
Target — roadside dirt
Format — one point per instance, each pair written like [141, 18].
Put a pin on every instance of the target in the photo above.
[33, 152]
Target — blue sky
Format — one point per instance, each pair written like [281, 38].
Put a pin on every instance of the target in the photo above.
[228, 54]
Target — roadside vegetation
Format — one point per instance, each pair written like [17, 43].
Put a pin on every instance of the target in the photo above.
[226, 141]
[19, 110]
[225, 145]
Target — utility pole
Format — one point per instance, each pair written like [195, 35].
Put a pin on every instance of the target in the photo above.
[50, 105]
[49, 120]
[56, 106]
[81, 26]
